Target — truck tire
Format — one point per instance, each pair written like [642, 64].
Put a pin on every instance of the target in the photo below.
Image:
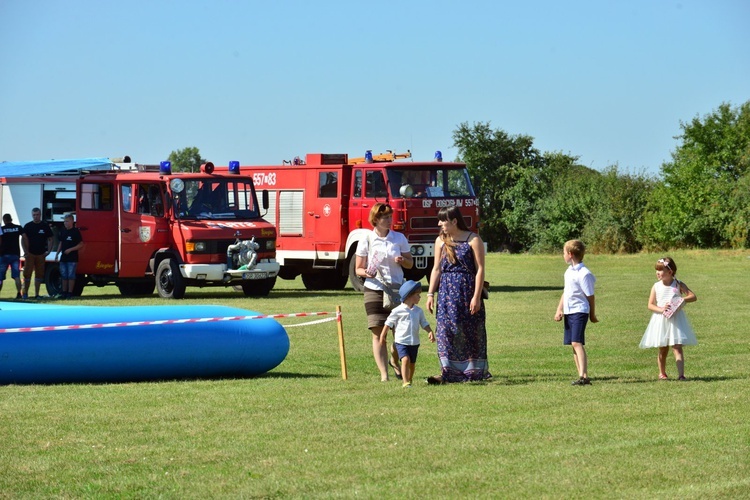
[81, 281]
[357, 283]
[169, 282]
[52, 279]
[417, 274]
[330, 279]
[258, 288]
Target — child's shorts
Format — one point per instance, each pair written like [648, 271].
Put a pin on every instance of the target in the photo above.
[68, 270]
[575, 328]
[409, 351]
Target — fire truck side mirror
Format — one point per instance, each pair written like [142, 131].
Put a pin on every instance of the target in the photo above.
[266, 201]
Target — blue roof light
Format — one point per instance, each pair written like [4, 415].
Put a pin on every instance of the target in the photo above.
[234, 167]
[165, 168]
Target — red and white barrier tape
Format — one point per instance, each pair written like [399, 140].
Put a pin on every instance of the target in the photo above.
[160, 322]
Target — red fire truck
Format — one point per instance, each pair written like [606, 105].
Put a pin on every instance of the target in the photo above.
[145, 227]
[321, 206]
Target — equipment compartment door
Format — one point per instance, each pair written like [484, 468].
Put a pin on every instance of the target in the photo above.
[96, 218]
[143, 226]
[326, 214]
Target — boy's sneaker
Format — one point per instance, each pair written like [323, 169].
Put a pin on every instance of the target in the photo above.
[19, 296]
[25, 296]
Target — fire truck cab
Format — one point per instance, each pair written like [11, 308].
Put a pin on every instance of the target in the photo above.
[145, 227]
[321, 206]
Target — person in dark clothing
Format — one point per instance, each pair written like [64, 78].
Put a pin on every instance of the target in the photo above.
[36, 242]
[10, 252]
[67, 253]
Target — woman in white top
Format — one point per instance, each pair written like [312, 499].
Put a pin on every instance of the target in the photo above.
[382, 257]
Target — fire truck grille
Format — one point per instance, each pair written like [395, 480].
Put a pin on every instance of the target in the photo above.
[220, 246]
[422, 238]
[431, 223]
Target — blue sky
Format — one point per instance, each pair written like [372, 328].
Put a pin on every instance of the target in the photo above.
[262, 82]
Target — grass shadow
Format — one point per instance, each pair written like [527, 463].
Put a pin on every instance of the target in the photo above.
[511, 289]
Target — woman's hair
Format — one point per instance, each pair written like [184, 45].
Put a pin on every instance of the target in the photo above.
[378, 211]
[446, 214]
[666, 263]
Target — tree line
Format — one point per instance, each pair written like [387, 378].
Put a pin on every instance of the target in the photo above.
[532, 201]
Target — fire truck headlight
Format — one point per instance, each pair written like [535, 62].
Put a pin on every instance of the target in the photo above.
[195, 246]
[417, 250]
[270, 244]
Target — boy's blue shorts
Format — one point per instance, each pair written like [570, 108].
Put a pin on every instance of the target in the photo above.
[409, 351]
[575, 328]
[68, 270]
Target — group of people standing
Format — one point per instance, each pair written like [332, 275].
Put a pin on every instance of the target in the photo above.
[458, 277]
[35, 241]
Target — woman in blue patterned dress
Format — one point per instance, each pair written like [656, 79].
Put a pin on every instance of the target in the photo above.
[458, 274]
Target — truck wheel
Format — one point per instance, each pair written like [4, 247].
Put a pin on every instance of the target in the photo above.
[169, 282]
[52, 278]
[416, 274]
[258, 288]
[324, 280]
[357, 283]
[81, 281]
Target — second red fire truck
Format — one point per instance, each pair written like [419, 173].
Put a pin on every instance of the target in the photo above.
[320, 206]
[145, 227]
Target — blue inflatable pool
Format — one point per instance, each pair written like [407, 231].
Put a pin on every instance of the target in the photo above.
[44, 344]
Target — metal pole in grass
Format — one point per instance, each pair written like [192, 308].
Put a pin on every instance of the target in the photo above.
[342, 350]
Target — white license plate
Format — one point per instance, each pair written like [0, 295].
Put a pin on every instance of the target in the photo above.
[254, 276]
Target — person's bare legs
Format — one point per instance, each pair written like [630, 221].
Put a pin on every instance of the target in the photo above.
[661, 360]
[679, 359]
[395, 362]
[407, 370]
[379, 352]
[579, 355]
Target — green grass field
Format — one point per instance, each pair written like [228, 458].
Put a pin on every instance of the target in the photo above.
[300, 431]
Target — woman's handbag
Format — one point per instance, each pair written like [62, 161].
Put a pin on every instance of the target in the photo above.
[486, 290]
[391, 296]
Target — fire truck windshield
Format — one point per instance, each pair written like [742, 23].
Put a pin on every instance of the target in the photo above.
[430, 182]
[217, 199]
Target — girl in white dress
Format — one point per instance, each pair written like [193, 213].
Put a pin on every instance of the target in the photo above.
[669, 325]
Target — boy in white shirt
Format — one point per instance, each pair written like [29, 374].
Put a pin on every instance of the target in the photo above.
[406, 320]
[576, 306]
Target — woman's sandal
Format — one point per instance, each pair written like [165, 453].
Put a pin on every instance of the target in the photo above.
[663, 377]
[396, 369]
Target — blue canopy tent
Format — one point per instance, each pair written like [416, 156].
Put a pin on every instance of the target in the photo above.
[26, 168]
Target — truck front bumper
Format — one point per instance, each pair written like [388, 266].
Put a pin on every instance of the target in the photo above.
[265, 269]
